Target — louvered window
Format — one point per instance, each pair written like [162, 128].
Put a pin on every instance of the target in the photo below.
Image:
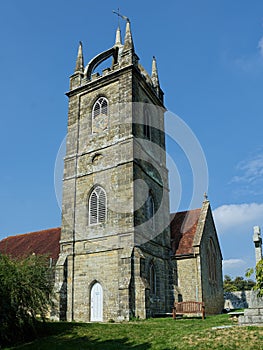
[152, 279]
[96, 110]
[100, 107]
[150, 211]
[97, 206]
[100, 116]
[104, 106]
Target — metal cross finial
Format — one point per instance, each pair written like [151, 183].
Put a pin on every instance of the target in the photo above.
[205, 196]
[119, 15]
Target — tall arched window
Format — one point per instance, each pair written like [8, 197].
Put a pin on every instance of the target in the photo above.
[211, 255]
[100, 113]
[146, 123]
[152, 279]
[97, 206]
[150, 209]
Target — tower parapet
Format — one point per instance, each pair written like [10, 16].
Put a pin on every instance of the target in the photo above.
[123, 56]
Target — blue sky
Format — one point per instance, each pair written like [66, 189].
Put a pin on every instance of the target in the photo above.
[210, 61]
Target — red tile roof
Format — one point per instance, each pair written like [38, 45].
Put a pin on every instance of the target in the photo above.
[183, 228]
[44, 242]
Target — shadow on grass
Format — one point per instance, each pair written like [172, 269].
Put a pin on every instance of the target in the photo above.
[140, 335]
[66, 336]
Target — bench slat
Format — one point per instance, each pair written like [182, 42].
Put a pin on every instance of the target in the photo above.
[189, 307]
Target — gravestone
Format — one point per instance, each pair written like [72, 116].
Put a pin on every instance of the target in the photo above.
[258, 243]
[254, 314]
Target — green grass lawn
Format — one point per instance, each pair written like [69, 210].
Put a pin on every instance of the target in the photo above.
[163, 334]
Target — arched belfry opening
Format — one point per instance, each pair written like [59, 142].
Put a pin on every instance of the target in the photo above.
[100, 58]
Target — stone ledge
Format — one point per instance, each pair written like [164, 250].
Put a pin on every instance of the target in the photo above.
[253, 312]
[251, 320]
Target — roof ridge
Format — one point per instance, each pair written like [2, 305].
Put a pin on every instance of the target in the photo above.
[44, 242]
[185, 211]
[30, 233]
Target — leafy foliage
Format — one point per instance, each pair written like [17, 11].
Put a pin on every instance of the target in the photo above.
[25, 288]
[259, 278]
[237, 284]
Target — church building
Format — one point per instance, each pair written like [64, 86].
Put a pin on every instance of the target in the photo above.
[119, 252]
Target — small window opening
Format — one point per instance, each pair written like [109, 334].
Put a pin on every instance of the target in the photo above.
[146, 125]
[97, 206]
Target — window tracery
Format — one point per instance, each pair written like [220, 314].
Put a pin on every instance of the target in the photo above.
[100, 112]
[97, 206]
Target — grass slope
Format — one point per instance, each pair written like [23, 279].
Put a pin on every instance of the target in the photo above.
[159, 334]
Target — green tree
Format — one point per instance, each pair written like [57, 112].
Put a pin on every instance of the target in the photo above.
[25, 289]
[259, 277]
[237, 284]
[229, 285]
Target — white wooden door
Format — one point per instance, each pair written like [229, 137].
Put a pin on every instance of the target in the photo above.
[96, 304]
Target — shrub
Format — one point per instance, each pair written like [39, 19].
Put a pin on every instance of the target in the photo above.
[259, 277]
[25, 288]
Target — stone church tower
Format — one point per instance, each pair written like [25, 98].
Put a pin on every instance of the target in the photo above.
[119, 253]
[114, 260]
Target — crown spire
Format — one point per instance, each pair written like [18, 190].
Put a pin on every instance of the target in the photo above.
[155, 77]
[80, 61]
[205, 197]
[118, 37]
[128, 42]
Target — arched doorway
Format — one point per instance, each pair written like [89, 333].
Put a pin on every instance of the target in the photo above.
[96, 303]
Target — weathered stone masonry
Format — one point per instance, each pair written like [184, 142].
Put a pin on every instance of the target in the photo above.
[107, 253]
[121, 254]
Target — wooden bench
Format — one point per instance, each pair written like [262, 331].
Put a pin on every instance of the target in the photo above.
[189, 307]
